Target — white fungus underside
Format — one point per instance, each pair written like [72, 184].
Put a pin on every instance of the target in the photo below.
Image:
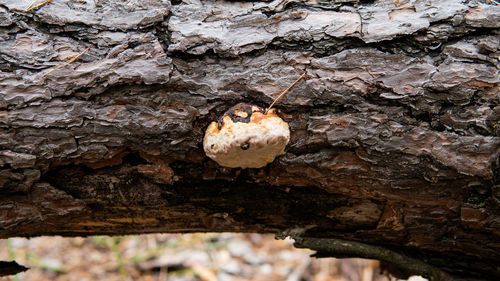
[267, 139]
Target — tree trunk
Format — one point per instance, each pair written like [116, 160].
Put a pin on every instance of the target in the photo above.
[395, 132]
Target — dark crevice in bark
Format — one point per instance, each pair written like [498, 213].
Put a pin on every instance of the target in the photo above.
[236, 197]
[161, 32]
[336, 46]
[403, 44]
[121, 93]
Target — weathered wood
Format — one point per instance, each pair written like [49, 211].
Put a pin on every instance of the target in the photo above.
[395, 133]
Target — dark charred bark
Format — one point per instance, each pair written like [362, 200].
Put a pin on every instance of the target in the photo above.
[395, 132]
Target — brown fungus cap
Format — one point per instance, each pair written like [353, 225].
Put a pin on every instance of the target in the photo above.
[245, 137]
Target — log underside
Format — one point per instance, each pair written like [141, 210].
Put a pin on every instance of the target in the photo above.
[395, 133]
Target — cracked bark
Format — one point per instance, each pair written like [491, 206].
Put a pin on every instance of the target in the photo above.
[395, 134]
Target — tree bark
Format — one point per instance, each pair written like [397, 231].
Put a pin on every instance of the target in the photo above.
[395, 132]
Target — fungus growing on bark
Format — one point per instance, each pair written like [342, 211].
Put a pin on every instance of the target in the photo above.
[246, 136]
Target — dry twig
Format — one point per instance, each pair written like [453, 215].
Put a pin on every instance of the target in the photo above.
[344, 249]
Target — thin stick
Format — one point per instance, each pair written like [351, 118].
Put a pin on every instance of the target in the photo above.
[34, 7]
[495, 2]
[32, 3]
[66, 63]
[284, 92]
[343, 248]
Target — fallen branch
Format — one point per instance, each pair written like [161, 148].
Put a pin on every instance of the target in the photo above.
[11, 268]
[348, 249]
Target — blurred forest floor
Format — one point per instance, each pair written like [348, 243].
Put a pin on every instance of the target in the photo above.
[178, 257]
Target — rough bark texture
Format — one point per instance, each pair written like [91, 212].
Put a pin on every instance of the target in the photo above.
[395, 134]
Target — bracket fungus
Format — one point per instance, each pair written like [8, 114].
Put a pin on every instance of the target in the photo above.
[246, 136]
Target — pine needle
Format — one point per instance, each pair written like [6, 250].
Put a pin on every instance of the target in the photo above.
[284, 92]
[39, 5]
[66, 63]
[32, 3]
